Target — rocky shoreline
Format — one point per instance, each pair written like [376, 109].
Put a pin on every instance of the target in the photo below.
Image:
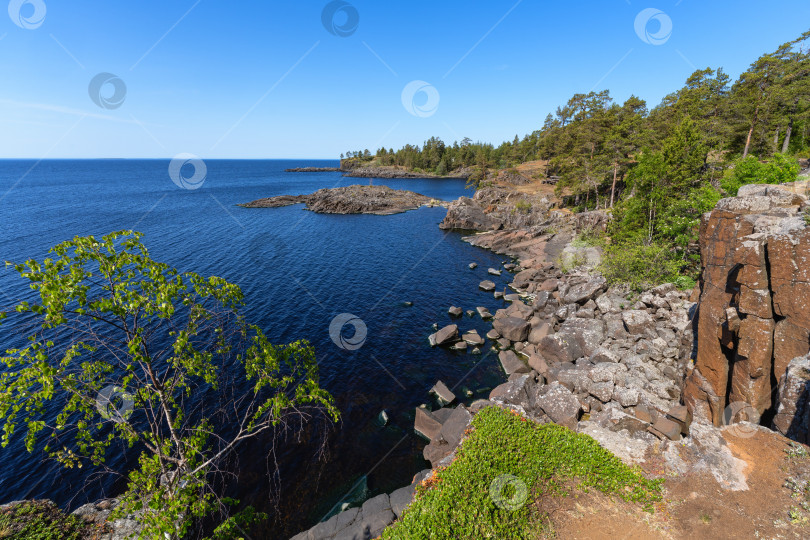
[355, 170]
[689, 385]
[356, 199]
[608, 362]
[393, 172]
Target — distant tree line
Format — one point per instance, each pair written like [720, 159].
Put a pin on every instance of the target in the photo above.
[660, 168]
[592, 143]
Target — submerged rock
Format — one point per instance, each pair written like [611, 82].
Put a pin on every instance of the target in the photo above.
[486, 285]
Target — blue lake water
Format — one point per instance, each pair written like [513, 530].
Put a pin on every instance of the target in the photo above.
[298, 271]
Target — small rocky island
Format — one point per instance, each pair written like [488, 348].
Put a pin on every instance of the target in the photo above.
[378, 200]
[314, 169]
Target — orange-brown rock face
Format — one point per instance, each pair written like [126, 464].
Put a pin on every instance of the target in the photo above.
[754, 311]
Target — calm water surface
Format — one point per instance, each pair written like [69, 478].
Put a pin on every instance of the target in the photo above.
[298, 270]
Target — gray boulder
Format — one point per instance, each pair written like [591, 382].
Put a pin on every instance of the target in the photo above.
[520, 310]
[793, 401]
[515, 392]
[559, 348]
[589, 334]
[442, 392]
[401, 498]
[472, 338]
[446, 336]
[638, 322]
[539, 332]
[561, 406]
[522, 279]
[426, 424]
[453, 429]
[367, 527]
[540, 300]
[579, 294]
[511, 363]
[512, 328]
[603, 391]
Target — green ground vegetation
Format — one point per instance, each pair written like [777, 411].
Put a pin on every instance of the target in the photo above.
[504, 466]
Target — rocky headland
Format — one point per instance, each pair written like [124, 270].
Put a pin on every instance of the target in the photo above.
[378, 200]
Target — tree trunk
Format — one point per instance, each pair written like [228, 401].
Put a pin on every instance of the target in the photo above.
[750, 132]
[788, 131]
[613, 187]
[776, 140]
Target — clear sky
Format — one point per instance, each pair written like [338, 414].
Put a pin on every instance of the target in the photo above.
[312, 79]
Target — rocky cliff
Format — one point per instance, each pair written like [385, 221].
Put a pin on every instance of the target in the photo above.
[754, 308]
[494, 208]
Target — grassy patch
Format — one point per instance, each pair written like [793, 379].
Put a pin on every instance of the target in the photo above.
[798, 482]
[523, 206]
[641, 265]
[503, 467]
[42, 520]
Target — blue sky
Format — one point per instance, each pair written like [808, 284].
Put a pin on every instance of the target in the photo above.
[262, 79]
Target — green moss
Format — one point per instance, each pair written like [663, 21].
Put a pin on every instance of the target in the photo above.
[42, 520]
[523, 206]
[503, 467]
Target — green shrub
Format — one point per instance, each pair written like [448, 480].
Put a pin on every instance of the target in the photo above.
[588, 237]
[42, 520]
[535, 459]
[523, 206]
[685, 283]
[640, 265]
[778, 170]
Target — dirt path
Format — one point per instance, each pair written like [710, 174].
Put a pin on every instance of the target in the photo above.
[695, 505]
